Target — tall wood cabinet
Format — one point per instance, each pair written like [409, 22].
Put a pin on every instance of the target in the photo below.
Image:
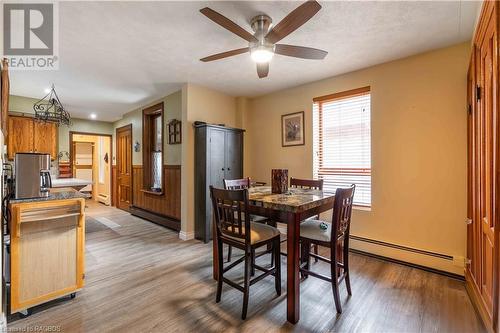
[25, 135]
[218, 156]
[483, 225]
[4, 96]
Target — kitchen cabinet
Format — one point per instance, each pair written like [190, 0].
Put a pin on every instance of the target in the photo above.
[45, 138]
[218, 156]
[25, 135]
[483, 220]
[20, 136]
[5, 91]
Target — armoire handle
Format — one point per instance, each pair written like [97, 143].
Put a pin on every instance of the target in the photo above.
[228, 169]
[222, 169]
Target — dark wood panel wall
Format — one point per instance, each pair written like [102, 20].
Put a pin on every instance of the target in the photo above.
[163, 209]
[168, 204]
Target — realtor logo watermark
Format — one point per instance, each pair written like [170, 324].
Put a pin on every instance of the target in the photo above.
[31, 35]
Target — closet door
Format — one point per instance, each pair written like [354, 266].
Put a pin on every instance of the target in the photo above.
[488, 156]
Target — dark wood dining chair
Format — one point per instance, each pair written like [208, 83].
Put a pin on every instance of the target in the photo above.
[335, 235]
[313, 184]
[241, 184]
[233, 227]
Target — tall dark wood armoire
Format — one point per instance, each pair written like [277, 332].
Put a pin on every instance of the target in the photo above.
[218, 156]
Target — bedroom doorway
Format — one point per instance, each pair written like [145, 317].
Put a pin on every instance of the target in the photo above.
[90, 159]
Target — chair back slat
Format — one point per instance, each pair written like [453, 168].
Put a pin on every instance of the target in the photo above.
[237, 184]
[230, 208]
[314, 184]
[342, 210]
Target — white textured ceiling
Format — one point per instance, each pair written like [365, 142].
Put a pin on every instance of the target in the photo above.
[117, 56]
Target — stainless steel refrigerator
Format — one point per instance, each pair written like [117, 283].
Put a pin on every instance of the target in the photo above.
[32, 173]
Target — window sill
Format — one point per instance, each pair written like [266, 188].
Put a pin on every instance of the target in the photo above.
[152, 192]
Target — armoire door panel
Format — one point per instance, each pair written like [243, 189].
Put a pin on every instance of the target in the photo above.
[233, 156]
[217, 155]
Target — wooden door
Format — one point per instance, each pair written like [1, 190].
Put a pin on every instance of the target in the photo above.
[473, 225]
[20, 137]
[487, 162]
[124, 167]
[45, 138]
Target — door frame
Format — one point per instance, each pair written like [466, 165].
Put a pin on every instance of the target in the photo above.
[110, 136]
[126, 127]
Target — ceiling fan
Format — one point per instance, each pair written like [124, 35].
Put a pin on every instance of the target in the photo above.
[262, 44]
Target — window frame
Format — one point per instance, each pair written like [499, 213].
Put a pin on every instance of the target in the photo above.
[366, 90]
[149, 116]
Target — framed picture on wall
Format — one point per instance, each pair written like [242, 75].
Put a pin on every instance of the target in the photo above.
[292, 129]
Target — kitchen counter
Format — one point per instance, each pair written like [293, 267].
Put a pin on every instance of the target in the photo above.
[55, 194]
[75, 183]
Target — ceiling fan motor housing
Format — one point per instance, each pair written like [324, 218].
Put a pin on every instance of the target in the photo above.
[261, 24]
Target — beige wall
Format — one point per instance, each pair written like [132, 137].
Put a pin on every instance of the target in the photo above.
[172, 109]
[418, 150]
[199, 104]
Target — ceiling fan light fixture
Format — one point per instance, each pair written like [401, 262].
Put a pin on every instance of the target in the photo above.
[261, 54]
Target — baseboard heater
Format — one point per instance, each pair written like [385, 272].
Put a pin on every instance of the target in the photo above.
[104, 198]
[408, 249]
[402, 247]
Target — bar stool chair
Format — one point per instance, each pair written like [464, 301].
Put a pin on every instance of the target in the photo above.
[335, 235]
[241, 184]
[233, 227]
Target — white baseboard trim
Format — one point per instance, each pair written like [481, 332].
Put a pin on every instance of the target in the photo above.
[186, 235]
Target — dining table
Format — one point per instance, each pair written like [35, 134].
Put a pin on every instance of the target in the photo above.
[291, 207]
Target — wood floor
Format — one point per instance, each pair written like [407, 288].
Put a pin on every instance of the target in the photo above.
[142, 278]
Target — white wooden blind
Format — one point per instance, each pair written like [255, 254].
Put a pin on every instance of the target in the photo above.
[342, 144]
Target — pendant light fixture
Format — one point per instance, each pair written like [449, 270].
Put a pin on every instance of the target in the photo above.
[50, 109]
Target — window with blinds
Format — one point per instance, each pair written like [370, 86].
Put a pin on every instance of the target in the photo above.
[342, 142]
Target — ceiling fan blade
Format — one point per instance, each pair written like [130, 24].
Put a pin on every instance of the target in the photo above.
[293, 21]
[228, 24]
[225, 54]
[262, 69]
[299, 51]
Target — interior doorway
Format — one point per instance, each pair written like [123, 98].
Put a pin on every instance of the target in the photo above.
[124, 167]
[90, 159]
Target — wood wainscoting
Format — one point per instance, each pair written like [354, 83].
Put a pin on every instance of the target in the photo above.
[114, 187]
[163, 209]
